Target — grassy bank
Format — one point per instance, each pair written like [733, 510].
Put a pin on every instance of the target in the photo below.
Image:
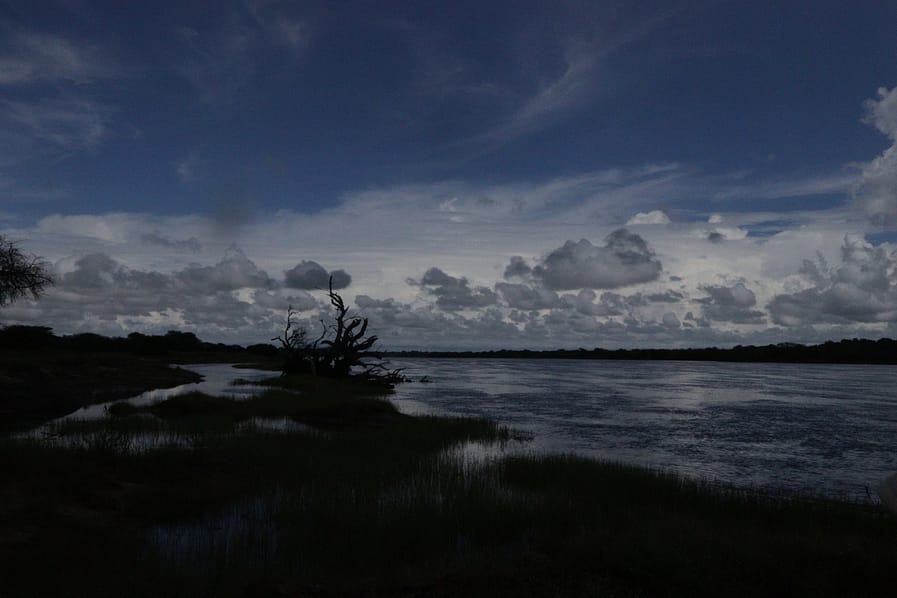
[39, 385]
[360, 499]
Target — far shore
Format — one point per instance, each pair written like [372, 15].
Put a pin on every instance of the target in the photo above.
[848, 351]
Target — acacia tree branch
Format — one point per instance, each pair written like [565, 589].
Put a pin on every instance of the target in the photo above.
[21, 274]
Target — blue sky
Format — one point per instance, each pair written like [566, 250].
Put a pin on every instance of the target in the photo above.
[739, 145]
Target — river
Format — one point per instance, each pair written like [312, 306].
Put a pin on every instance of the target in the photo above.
[824, 429]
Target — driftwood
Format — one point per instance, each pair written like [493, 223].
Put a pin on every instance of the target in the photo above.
[342, 350]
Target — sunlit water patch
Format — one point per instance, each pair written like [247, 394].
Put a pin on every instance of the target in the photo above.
[825, 429]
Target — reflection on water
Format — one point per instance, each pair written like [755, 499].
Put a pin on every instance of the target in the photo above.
[75, 429]
[217, 380]
[829, 429]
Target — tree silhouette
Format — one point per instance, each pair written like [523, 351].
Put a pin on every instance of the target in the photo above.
[341, 346]
[20, 274]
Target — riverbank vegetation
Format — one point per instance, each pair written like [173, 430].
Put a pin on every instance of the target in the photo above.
[881, 351]
[43, 375]
[355, 498]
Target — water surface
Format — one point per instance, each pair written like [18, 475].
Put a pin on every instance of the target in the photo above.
[828, 429]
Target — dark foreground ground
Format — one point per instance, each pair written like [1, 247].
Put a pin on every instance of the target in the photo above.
[37, 385]
[358, 499]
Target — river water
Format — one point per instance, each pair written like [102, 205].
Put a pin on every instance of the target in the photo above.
[824, 429]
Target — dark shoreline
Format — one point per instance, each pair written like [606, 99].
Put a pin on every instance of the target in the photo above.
[39, 385]
[848, 351]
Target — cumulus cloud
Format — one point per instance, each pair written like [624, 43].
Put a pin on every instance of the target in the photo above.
[609, 304]
[882, 113]
[517, 268]
[101, 294]
[668, 296]
[300, 301]
[671, 320]
[614, 304]
[731, 304]
[652, 217]
[311, 275]
[624, 259]
[234, 271]
[521, 296]
[367, 302]
[863, 288]
[876, 190]
[453, 293]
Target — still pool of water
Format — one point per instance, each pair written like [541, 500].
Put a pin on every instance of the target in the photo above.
[217, 380]
[826, 429]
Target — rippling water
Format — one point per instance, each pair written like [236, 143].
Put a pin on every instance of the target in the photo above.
[828, 429]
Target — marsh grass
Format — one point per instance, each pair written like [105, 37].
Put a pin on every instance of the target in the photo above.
[385, 504]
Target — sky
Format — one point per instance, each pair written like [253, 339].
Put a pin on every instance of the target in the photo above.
[473, 175]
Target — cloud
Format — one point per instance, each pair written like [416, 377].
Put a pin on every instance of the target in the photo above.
[876, 191]
[234, 271]
[58, 123]
[670, 320]
[453, 293]
[187, 168]
[609, 304]
[588, 42]
[731, 304]
[472, 232]
[521, 296]
[652, 217]
[300, 301]
[94, 271]
[623, 260]
[517, 268]
[614, 304]
[30, 57]
[311, 275]
[220, 61]
[191, 245]
[863, 288]
[232, 300]
[882, 113]
[668, 296]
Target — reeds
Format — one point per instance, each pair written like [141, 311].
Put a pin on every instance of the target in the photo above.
[366, 500]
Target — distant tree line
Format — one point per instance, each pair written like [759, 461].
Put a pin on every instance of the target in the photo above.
[16, 338]
[882, 351]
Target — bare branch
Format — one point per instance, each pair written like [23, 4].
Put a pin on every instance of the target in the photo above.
[346, 348]
[21, 274]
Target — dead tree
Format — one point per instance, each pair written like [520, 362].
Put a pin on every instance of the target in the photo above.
[298, 351]
[341, 346]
